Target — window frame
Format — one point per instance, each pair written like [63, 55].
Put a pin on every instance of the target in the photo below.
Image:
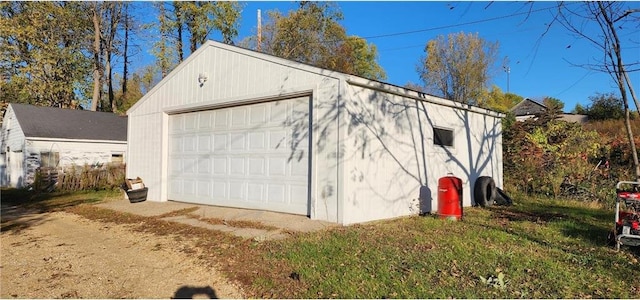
[438, 138]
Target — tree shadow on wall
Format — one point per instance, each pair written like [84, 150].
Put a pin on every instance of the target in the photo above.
[378, 122]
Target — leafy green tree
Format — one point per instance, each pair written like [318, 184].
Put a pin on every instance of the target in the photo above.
[42, 45]
[553, 103]
[458, 66]
[312, 34]
[134, 91]
[579, 109]
[605, 107]
[165, 53]
[497, 100]
[192, 23]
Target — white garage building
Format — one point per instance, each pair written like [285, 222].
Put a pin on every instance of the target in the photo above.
[238, 128]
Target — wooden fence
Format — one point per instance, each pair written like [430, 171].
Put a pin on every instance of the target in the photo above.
[80, 178]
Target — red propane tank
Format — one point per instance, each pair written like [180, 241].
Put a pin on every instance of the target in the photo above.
[450, 198]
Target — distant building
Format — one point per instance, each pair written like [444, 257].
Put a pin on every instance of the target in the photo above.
[529, 108]
[35, 136]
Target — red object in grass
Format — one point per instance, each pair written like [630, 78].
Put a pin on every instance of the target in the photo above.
[629, 195]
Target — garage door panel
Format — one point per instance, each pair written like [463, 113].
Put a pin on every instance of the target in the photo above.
[176, 124]
[256, 166]
[205, 120]
[254, 156]
[189, 187]
[237, 142]
[190, 122]
[276, 193]
[189, 143]
[277, 113]
[299, 167]
[220, 190]
[204, 189]
[221, 119]
[236, 190]
[220, 142]
[238, 117]
[204, 166]
[236, 166]
[220, 165]
[175, 187]
[204, 143]
[257, 141]
[176, 144]
[255, 192]
[257, 114]
[278, 140]
[277, 166]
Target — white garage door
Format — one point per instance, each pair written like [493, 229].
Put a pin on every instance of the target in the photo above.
[252, 156]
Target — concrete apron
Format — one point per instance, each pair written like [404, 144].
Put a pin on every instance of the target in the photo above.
[283, 222]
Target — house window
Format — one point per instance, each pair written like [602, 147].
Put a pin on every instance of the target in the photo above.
[443, 137]
[49, 159]
[117, 158]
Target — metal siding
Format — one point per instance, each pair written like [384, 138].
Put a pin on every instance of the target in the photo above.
[144, 156]
[387, 168]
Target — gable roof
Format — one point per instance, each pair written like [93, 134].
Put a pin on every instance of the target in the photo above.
[52, 122]
[297, 65]
[528, 107]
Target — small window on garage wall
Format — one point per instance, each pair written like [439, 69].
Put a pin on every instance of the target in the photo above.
[117, 158]
[443, 136]
[49, 159]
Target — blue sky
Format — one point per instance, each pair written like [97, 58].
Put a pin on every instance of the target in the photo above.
[539, 65]
[543, 61]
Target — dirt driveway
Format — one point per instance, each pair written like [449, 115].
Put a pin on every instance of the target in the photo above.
[62, 255]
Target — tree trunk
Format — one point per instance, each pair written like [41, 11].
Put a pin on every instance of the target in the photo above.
[115, 10]
[632, 91]
[621, 76]
[125, 53]
[178, 24]
[96, 57]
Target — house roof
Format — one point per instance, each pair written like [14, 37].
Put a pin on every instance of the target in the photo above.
[51, 122]
[528, 107]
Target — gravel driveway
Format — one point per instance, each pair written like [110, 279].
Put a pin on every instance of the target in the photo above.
[62, 255]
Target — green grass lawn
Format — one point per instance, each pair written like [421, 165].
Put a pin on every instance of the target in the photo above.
[537, 248]
[543, 249]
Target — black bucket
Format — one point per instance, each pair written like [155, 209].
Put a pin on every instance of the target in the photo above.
[138, 195]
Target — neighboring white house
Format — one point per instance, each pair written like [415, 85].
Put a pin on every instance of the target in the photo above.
[35, 136]
[238, 128]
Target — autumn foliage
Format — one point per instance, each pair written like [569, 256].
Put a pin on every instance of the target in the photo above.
[567, 160]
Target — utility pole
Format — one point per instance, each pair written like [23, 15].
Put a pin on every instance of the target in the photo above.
[258, 47]
[508, 70]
